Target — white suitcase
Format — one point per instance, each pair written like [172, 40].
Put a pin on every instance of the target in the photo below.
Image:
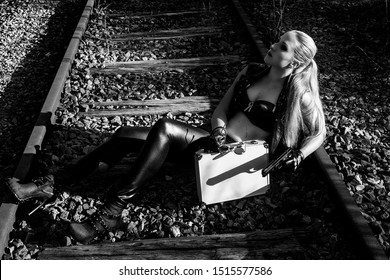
[233, 173]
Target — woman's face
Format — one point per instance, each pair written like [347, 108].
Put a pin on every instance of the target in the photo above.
[281, 54]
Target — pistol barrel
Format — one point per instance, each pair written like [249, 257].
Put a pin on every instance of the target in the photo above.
[275, 163]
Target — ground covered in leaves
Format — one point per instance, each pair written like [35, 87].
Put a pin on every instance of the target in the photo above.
[357, 120]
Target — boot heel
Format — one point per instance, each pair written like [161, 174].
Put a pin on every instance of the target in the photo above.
[39, 206]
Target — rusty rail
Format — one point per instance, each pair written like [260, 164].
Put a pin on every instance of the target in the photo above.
[8, 208]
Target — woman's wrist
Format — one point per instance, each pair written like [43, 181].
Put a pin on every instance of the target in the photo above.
[300, 155]
[219, 130]
[218, 134]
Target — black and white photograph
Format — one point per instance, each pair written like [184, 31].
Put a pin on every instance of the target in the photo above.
[253, 131]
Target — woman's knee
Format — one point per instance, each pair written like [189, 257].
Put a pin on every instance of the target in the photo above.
[164, 126]
[178, 132]
[131, 132]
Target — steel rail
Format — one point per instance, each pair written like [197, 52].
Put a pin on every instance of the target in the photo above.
[8, 207]
[358, 226]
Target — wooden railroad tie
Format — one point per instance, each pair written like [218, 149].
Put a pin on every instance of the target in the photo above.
[152, 14]
[169, 34]
[193, 104]
[264, 244]
[160, 65]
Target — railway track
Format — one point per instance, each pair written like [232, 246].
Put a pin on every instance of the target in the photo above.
[118, 70]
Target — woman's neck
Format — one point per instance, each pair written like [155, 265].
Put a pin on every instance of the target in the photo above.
[278, 74]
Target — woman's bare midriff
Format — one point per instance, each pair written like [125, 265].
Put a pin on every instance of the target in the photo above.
[239, 128]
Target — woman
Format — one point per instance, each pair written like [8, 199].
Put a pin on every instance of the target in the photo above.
[280, 104]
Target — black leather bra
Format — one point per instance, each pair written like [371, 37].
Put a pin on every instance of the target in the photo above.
[260, 112]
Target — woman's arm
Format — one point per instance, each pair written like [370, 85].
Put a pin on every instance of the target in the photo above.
[312, 118]
[309, 145]
[219, 117]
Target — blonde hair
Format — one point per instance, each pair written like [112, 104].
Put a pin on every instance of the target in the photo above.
[304, 80]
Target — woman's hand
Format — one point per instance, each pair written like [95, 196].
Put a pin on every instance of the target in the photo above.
[218, 137]
[294, 160]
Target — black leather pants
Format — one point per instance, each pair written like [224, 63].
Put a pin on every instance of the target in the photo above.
[166, 140]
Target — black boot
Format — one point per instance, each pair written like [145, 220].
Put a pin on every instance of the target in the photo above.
[42, 187]
[105, 219]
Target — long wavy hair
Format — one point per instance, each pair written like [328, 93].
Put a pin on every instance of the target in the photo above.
[304, 79]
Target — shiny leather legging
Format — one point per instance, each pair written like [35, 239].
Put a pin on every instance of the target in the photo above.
[166, 140]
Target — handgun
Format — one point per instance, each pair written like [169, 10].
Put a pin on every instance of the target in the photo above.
[277, 163]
